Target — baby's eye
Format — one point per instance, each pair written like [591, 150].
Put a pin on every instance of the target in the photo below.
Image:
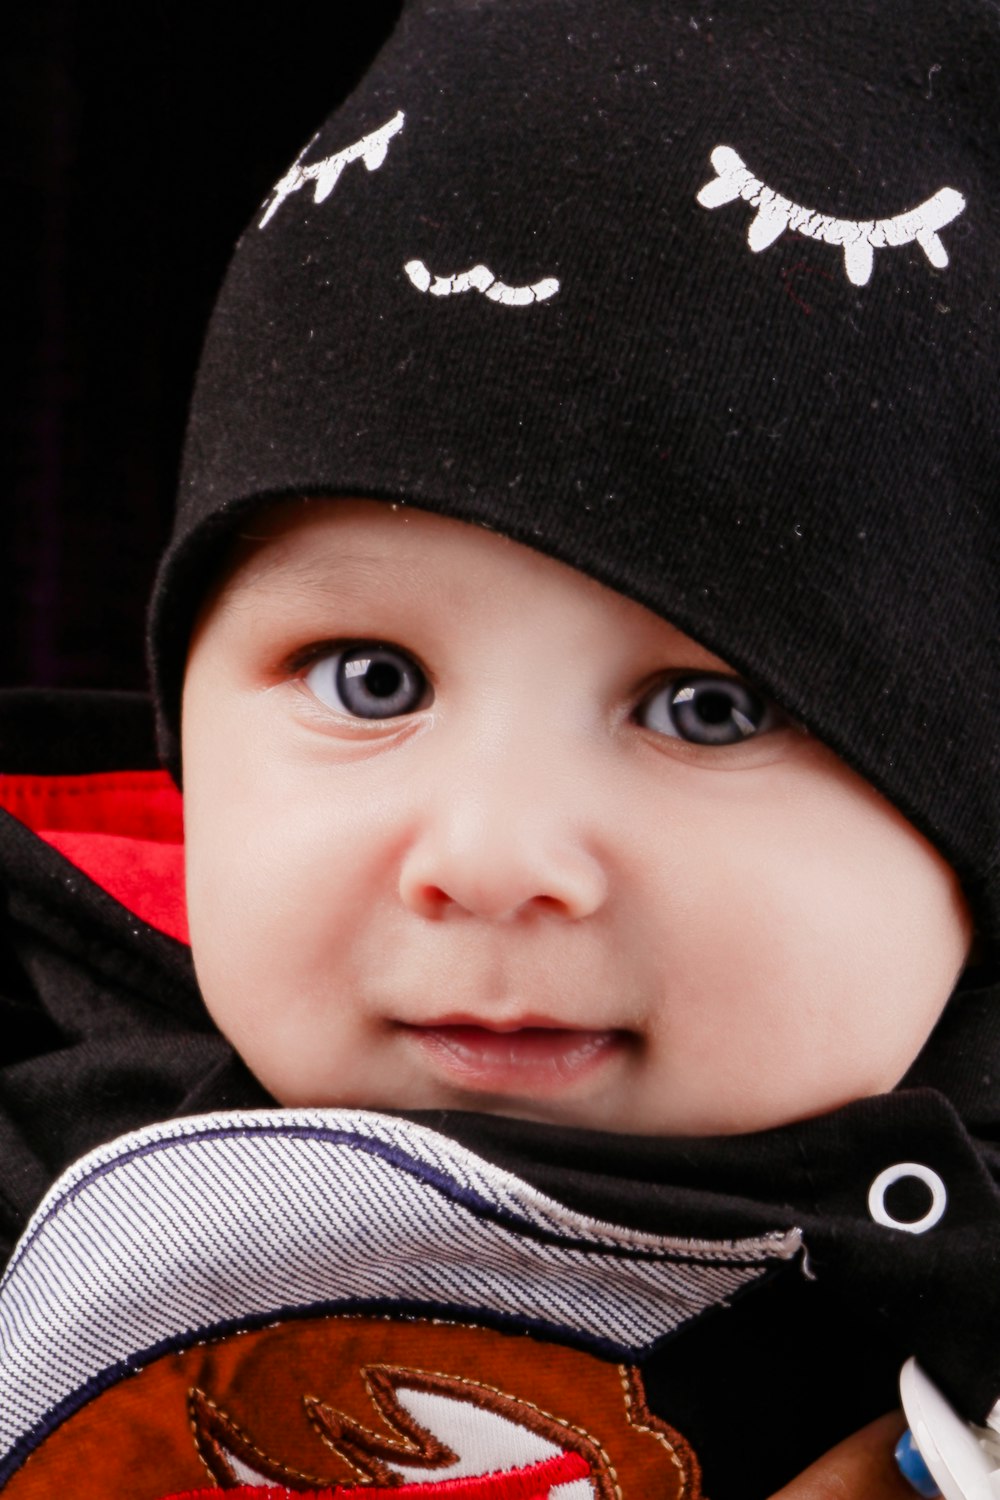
[368, 681]
[708, 710]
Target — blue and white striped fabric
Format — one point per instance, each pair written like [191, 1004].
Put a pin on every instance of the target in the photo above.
[216, 1222]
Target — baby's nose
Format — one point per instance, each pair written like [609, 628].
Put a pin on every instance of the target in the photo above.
[499, 859]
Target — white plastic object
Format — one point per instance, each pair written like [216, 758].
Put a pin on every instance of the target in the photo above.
[963, 1459]
[902, 1170]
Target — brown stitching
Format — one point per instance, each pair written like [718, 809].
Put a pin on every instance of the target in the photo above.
[193, 1394]
[682, 1455]
[383, 1382]
[215, 1431]
[364, 1449]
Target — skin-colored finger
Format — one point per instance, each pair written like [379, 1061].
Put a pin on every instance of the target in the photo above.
[862, 1467]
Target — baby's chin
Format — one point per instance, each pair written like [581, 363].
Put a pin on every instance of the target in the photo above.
[536, 1067]
[606, 1115]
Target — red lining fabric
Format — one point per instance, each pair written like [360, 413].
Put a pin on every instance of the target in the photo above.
[534, 1482]
[123, 829]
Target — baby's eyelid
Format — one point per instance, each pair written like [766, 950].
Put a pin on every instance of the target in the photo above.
[670, 676]
[299, 662]
[757, 715]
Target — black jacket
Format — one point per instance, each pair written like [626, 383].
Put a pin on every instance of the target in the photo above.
[104, 1031]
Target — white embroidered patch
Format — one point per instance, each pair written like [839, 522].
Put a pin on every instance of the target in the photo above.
[860, 238]
[482, 1440]
[479, 279]
[243, 1474]
[371, 149]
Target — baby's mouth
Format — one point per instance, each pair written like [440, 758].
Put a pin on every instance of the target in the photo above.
[514, 1059]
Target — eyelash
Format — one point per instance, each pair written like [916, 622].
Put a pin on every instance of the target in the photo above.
[748, 715]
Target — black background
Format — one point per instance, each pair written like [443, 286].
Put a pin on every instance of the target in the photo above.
[137, 141]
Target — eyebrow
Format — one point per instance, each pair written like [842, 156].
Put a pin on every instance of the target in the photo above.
[340, 573]
[335, 574]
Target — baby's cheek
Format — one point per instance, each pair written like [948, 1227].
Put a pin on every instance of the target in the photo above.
[229, 928]
[883, 933]
[799, 955]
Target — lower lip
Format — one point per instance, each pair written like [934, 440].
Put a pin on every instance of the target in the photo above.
[530, 1060]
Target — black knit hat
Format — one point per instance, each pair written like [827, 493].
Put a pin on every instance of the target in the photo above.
[700, 299]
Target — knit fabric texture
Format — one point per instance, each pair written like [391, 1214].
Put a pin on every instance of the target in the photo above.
[701, 300]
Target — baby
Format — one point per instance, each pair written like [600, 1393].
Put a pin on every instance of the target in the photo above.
[578, 651]
[531, 849]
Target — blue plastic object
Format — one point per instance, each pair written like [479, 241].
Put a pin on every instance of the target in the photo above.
[913, 1469]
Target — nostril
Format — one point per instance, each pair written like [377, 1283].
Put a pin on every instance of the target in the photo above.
[429, 900]
[547, 903]
[500, 880]
[434, 903]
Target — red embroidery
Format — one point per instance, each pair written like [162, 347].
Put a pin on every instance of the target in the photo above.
[535, 1482]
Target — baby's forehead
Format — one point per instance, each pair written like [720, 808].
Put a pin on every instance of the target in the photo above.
[316, 551]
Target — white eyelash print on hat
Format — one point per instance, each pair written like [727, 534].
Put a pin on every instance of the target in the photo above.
[859, 237]
[371, 149]
[481, 279]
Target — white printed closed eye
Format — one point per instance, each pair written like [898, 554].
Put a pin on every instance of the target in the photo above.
[860, 238]
[480, 279]
[372, 149]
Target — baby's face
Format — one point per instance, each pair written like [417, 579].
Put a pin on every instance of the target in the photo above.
[467, 830]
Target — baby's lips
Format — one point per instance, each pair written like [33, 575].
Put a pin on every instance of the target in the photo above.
[515, 1058]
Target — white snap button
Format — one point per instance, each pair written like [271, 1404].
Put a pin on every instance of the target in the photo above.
[891, 1175]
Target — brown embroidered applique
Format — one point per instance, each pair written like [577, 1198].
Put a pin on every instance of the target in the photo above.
[336, 1406]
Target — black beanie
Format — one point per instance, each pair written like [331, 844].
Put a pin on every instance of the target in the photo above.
[700, 299]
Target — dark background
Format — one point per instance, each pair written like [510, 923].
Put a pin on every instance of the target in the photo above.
[137, 141]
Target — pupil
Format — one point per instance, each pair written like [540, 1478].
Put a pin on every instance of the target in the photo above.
[382, 679]
[713, 707]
